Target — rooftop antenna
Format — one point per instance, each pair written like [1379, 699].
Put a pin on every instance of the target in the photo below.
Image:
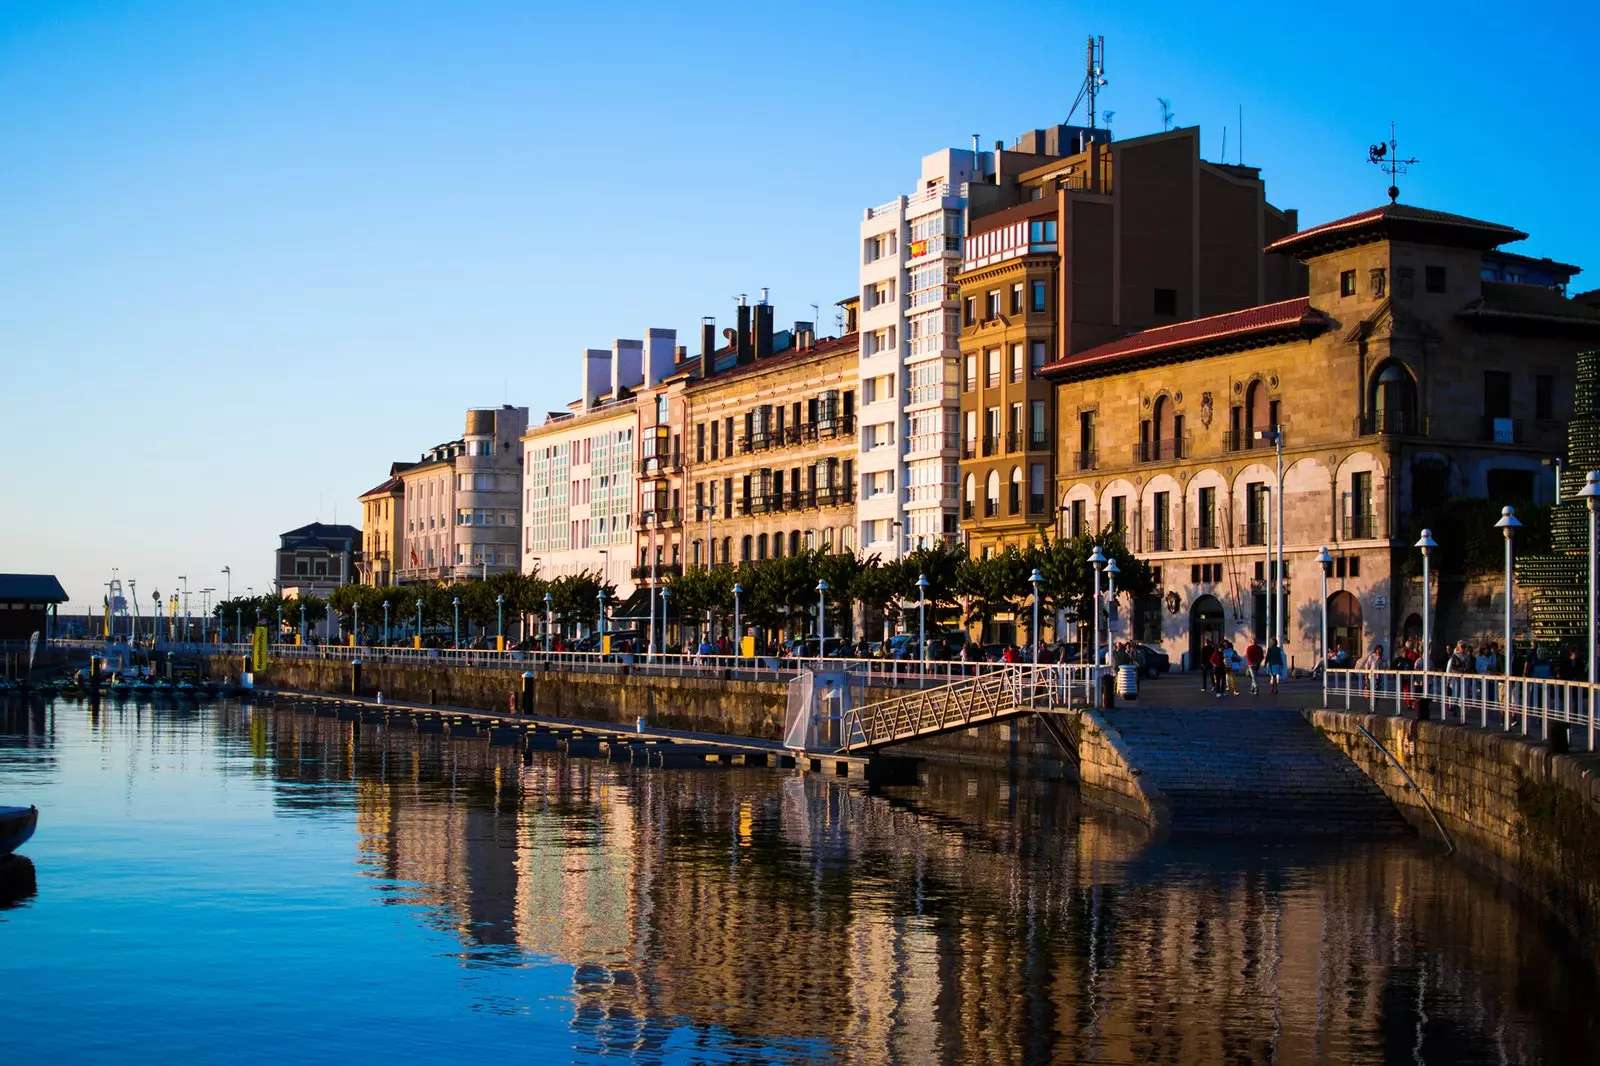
[1094, 79]
[1224, 145]
[1106, 116]
[1386, 158]
[1166, 113]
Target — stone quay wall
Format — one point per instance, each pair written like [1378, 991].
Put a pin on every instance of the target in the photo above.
[703, 704]
[1111, 777]
[1507, 803]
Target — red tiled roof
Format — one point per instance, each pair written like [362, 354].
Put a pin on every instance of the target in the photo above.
[1400, 221]
[1267, 318]
[391, 486]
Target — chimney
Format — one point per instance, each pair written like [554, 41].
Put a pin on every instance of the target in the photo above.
[708, 346]
[596, 375]
[679, 354]
[763, 331]
[805, 334]
[658, 345]
[742, 347]
[627, 365]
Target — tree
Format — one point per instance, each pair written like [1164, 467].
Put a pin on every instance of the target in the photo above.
[881, 586]
[697, 593]
[993, 586]
[940, 563]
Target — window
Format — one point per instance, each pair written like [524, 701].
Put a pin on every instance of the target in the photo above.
[1036, 430]
[1160, 531]
[1544, 387]
[661, 409]
[969, 313]
[1119, 512]
[1036, 488]
[991, 368]
[1075, 521]
[1016, 363]
[1085, 440]
[1016, 298]
[992, 305]
[714, 426]
[1255, 513]
[1206, 519]
[1014, 439]
[1347, 283]
[1433, 279]
[1036, 356]
[991, 495]
[972, 372]
[1496, 394]
[991, 430]
[1378, 280]
[1166, 302]
[1015, 499]
[1038, 301]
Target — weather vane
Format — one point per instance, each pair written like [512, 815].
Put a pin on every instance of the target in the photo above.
[1387, 159]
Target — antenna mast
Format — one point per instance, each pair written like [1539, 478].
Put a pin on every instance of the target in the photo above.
[1094, 77]
[1386, 158]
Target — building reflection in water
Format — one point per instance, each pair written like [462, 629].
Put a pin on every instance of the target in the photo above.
[976, 919]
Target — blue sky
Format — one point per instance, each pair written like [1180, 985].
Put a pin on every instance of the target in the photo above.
[250, 253]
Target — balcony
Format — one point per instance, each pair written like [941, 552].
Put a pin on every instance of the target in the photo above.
[642, 573]
[991, 444]
[660, 464]
[1161, 451]
[1359, 525]
[1398, 423]
[1038, 441]
[1162, 540]
[969, 449]
[1253, 533]
[1205, 536]
[991, 508]
[1014, 500]
[1085, 460]
[660, 518]
[835, 496]
[1500, 430]
[1013, 441]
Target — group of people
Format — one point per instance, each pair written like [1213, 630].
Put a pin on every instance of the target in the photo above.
[1222, 667]
[1487, 658]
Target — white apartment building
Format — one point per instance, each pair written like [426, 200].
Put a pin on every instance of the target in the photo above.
[910, 406]
[580, 467]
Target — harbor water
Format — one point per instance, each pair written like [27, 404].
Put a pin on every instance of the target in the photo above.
[239, 882]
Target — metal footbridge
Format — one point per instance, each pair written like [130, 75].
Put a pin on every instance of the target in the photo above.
[991, 697]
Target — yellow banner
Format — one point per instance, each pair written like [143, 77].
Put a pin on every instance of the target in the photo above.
[258, 650]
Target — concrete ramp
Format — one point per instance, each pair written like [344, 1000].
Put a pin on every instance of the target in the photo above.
[1249, 771]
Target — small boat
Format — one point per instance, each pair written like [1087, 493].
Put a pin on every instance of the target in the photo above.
[16, 826]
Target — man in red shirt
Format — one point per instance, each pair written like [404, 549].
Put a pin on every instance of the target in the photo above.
[1253, 657]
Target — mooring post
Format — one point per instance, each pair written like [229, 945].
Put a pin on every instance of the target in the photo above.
[355, 677]
[527, 692]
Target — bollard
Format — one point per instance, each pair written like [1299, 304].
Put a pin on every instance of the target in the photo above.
[1108, 691]
[1558, 737]
[380, 697]
[638, 724]
[355, 677]
[1424, 709]
[527, 692]
[433, 697]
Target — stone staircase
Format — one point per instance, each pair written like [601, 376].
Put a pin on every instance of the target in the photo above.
[1251, 771]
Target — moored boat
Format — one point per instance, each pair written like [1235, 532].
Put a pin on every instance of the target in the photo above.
[16, 826]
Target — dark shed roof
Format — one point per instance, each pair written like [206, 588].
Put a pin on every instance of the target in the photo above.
[31, 588]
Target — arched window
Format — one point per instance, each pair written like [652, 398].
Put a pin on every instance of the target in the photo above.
[744, 549]
[827, 539]
[1160, 425]
[777, 545]
[991, 495]
[1015, 501]
[847, 538]
[1393, 400]
[970, 493]
[794, 542]
[761, 546]
[1258, 413]
[727, 551]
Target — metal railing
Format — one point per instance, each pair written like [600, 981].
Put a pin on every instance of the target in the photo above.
[1359, 526]
[1396, 422]
[1485, 700]
[1161, 451]
[1205, 536]
[1002, 693]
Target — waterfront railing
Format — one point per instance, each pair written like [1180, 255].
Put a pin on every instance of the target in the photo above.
[1489, 701]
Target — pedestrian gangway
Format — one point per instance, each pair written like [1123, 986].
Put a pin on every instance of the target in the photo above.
[991, 697]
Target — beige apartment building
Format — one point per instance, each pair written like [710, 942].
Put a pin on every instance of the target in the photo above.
[428, 544]
[463, 502]
[770, 454]
[383, 528]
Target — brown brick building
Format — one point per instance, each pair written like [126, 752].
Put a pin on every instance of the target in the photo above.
[1405, 377]
[1072, 252]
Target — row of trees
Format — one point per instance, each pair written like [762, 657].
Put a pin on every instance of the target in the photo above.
[775, 594]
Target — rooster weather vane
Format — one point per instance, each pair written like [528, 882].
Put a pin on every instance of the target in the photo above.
[1386, 157]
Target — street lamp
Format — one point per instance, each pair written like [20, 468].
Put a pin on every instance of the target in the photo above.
[738, 634]
[1112, 570]
[302, 620]
[549, 621]
[419, 620]
[227, 572]
[600, 612]
[355, 621]
[1591, 496]
[1097, 559]
[666, 597]
[1034, 579]
[922, 619]
[455, 601]
[1325, 566]
[822, 604]
[1508, 525]
[1274, 436]
[1426, 543]
[500, 622]
[386, 623]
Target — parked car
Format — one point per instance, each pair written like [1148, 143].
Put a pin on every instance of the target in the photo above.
[1152, 661]
[832, 648]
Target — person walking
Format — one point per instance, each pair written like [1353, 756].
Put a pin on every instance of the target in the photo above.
[1277, 666]
[1218, 666]
[1206, 651]
[1253, 659]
